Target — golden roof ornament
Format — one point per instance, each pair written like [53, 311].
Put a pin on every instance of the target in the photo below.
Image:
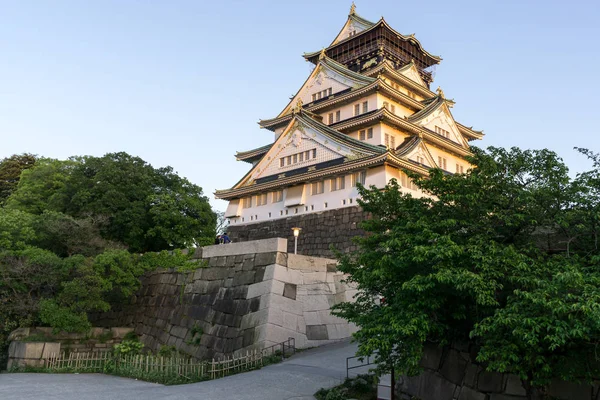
[440, 92]
[298, 106]
[322, 55]
[353, 9]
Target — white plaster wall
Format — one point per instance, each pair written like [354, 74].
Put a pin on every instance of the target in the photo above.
[347, 111]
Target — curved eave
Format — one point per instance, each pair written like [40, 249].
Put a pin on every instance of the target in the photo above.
[347, 166]
[254, 154]
[414, 86]
[427, 110]
[469, 132]
[357, 145]
[407, 38]
[277, 122]
[384, 115]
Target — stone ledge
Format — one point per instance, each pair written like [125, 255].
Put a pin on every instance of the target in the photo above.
[251, 247]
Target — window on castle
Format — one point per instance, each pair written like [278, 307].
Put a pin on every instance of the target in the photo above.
[420, 160]
[387, 140]
[412, 95]
[361, 135]
[338, 183]
[442, 163]
[317, 187]
[247, 202]
[459, 169]
[359, 177]
[442, 132]
[370, 133]
[393, 142]
[261, 199]
[330, 118]
[297, 158]
[329, 91]
[338, 116]
[278, 196]
[393, 109]
[319, 95]
[386, 105]
[365, 105]
[314, 97]
[357, 109]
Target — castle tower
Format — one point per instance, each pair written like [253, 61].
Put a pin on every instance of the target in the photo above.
[364, 114]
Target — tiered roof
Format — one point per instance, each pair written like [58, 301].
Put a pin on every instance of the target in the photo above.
[300, 120]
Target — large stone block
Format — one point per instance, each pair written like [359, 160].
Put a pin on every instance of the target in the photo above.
[454, 367]
[569, 390]
[427, 386]
[263, 259]
[258, 289]
[514, 386]
[467, 393]
[317, 332]
[490, 382]
[432, 356]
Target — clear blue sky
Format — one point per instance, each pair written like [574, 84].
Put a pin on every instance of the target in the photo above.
[183, 83]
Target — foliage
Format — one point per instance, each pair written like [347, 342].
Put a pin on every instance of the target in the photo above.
[196, 331]
[62, 318]
[131, 336]
[10, 172]
[505, 255]
[167, 351]
[65, 227]
[146, 209]
[361, 387]
[128, 347]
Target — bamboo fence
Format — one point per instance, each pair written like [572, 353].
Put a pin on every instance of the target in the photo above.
[147, 365]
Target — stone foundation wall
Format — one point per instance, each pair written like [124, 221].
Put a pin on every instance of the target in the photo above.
[319, 231]
[245, 296]
[22, 352]
[452, 374]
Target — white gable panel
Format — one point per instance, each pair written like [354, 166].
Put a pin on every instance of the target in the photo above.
[351, 28]
[324, 79]
[299, 140]
[443, 119]
[412, 74]
[421, 155]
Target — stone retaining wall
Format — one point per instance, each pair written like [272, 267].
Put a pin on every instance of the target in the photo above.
[319, 231]
[247, 295]
[22, 352]
[452, 374]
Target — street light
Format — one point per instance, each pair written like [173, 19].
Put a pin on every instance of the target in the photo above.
[296, 234]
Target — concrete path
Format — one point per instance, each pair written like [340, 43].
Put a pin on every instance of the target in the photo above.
[294, 379]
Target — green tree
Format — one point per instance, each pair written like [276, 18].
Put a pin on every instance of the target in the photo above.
[504, 255]
[10, 172]
[144, 208]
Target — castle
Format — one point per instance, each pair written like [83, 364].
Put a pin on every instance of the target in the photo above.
[365, 114]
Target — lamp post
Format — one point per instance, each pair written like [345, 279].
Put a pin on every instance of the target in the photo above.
[296, 234]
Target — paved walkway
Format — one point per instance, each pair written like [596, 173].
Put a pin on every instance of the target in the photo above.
[294, 379]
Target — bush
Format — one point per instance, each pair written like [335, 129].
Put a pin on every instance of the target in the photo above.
[128, 348]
